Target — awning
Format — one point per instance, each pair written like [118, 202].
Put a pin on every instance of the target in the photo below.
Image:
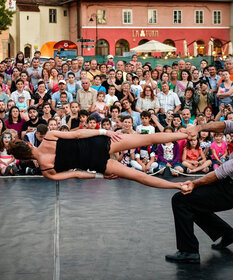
[65, 45]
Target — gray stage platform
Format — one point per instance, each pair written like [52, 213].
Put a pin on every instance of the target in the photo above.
[95, 229]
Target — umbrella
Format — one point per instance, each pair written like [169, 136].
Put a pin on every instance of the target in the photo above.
[185, 48]
[195, 49]
[153, 46]
[211, 45]
[230, 48]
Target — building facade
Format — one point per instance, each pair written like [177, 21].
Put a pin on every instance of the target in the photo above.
[193, 27]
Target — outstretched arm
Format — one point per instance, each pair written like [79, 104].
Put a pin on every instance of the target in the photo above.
[212, 126]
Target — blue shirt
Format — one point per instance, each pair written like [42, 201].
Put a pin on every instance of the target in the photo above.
[135, 116]
[56, 97]
[100, 88]
[190, 122]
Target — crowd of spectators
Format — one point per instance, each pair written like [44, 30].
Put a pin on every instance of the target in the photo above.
[130, 97]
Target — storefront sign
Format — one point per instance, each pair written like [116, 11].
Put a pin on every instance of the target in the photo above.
[145, 33]
[12, 5]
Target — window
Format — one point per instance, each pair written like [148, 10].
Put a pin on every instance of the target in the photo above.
[127, 16]
[199, 17]
[152, 16]
[52, 15]
[217, 17]
[65, 13]
[176, 17]
[101, 16]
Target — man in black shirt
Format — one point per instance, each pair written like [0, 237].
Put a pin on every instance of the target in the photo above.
[33, 121]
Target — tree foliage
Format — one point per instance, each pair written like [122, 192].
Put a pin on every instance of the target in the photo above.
[5, 16]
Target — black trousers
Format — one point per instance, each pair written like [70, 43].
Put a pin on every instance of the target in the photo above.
[199, 207]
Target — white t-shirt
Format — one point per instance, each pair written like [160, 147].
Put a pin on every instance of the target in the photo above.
[15, 95]
[136, 90]
[141, 128]
[109, 99]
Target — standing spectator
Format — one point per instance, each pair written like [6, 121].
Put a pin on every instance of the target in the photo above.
[203, 65]
[86, 96]
[74, 69]
[168, 99]
[134, 62]
[184, 83]
[110, 60]
[27, 85]
[204, 97]
[148, 100]
[181, 67]
[65, 68]
[219, 150]
[224, 88]
[3, 96]
[139, 73]
[72, 85]
[35, 71]
[56, 96]
[14, 120]
[20, 91]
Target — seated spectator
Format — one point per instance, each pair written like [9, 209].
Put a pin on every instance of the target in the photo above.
[63, 100]
[135, 88]
[176, 122]
[27, 85]
[2, 126]
[127, 125]
[165, 78]
[129, 112]
[230, 144]
[72, 85]
[5, 87]
[7, 161]
[14, 120]
[125, 157]
[194, 158]
[64, 128]
[208, 113]
[147, 81]
[125, 93]
[97, 84]
[110, 98]
[83, 116]
[218, 150]
[58, 120]
[53, 81]
[33, 122]
[46, 108]
[40, 97]
[203, 97]
[114, 112]
[119, 123]
[168, 155]
[225, 86]
[200, 119]
[20, 91]
[205, 142]
[92, 123]
[148, 100]
[3, 96]
[167, 121]
[72, 120]
[187, 102]
[195, 79]
[66, 111]
[118, 104]
[145, 127]
[184, 83]
[145, 159]
[56, 96]
[168, 99]
[86, 96]
[106, 124]
[99, 106]
[186, 117]
[52, 124]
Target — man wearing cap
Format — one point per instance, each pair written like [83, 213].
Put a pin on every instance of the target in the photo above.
[93, 70]
[33, 122]
[56, 96]
[204, 97]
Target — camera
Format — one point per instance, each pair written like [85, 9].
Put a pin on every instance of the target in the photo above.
[225, 105]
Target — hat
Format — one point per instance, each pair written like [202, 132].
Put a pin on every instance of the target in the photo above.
[62, 82]
[21, 96]
[32, 108]
[110, 56]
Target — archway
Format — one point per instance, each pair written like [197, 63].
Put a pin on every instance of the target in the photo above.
[47, 49]
[102, 47]
[11, 46]
[217, 46]
[201, 47]
[121, 47]
[143, 41]
[27, 51]
[169, 42]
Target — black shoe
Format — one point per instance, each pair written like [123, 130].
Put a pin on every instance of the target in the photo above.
[225, 241]
[184, 257]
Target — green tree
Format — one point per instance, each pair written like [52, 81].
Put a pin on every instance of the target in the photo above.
[5, 16]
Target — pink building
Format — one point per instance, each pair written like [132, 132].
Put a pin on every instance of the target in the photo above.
[193, 27]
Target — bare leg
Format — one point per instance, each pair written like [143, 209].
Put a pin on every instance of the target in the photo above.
[116, 168]
[130, 141]
[201, 167]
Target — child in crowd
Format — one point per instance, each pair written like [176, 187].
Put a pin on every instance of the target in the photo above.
[73, 120]
[135, 88]
[72, 85]
[145, 158]
[92, 123]
[119, 122]
[125, 157]
[219, 150]
[114, 111]
[168, 155]
[205, 142]
[7, 162]
[64, 128]
[127, 125]
[83, 116]
[145, 126]
[22, 105]
[97, 84]
[106, 124]
[110, 98]
[194, 158]
[230, 144]
[99, 106]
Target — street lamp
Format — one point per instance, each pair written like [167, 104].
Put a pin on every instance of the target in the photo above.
[94, 17]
